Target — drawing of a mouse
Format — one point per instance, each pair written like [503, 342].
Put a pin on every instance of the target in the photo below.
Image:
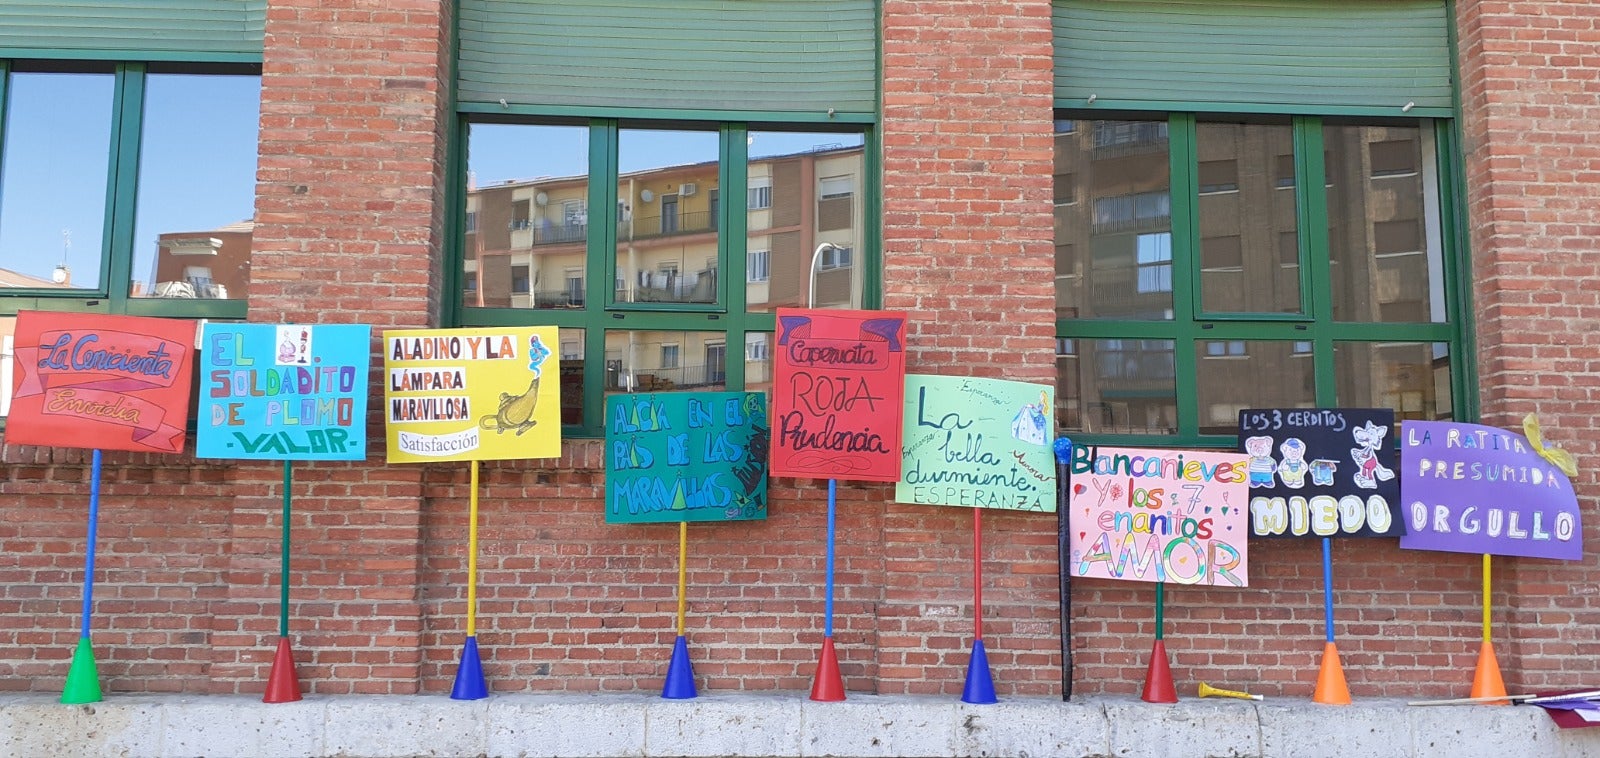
[515, 412]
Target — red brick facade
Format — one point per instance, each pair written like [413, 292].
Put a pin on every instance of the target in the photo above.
[349, 228]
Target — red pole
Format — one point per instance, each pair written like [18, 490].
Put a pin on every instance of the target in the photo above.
[977, 573]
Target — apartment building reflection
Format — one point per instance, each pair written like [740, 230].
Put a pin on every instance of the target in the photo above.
[208, 265]
[528, 241]
[1115, 241]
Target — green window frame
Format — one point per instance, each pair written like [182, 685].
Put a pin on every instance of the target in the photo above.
[728, 317]
[1313, 332]
[110, 293]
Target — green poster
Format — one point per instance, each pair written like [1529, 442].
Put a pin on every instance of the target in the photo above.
[981, 443]
[686, 456]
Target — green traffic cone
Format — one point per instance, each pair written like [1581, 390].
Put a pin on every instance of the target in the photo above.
[83, 679]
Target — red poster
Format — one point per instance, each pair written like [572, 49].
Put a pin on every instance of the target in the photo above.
[836, 394]
[102, 382]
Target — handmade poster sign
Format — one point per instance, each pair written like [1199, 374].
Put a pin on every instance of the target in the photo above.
[490, 393]
[981, 443]
[681, 456]
[1478, 489]
[101, 382]
[1321, 472]
[838, 383]
[1159, 515]
[290, 392]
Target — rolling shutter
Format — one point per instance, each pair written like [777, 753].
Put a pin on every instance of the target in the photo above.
[133, 29]
[744, 55]
[1287, 56]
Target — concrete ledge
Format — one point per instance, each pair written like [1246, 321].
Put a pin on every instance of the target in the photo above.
[787, 724]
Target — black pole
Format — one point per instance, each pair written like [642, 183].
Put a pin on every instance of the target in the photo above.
[1063, 449]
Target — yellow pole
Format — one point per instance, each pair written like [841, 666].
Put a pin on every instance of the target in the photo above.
[1485, 597]
[683, 572]
[472, 557]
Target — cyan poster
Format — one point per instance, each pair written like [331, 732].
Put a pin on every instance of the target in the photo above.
[686, 456]
[979, 443]
[283, 392]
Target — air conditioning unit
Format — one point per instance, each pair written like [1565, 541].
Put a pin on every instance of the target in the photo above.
[688, 189]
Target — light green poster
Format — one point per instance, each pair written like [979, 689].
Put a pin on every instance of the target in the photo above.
[980, 443]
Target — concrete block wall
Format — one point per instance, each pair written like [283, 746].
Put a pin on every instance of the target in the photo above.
[350, 228]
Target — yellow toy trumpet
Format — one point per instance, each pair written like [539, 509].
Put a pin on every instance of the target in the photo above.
[1207, 690]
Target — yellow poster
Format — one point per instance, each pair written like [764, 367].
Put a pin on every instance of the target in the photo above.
[490, 393]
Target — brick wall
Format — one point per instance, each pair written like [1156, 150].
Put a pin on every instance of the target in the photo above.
[1530, 76]
[349, 229]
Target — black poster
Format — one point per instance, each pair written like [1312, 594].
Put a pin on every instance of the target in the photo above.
[1322, 472]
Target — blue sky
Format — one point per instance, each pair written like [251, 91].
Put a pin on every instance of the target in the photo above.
[197, 166]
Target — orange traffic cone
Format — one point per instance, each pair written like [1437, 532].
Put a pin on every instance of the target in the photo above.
[1486, 681]
[1331, 689]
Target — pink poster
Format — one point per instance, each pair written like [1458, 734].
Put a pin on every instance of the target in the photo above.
[1149, 515]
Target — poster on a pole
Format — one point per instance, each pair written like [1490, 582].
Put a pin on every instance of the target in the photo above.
[978, 443]
[1322, 472]
[1469, 488]
[487, 393]
[284, 392]
[1149, 515]
[686, 456]
[101, 382]
[838, 384]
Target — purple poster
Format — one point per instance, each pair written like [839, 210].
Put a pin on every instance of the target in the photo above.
[1477, 489]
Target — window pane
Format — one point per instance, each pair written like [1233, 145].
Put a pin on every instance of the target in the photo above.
[1413, 378]
[1235, 374]
[806, 210]
[1383, 221]
[53, 188]
[1113, 252]
[1244, 221]
[197, 187]
[1121, 386]
[527, 213]
[758, 362]
[640, 361]
[572, 377]
[667, 244]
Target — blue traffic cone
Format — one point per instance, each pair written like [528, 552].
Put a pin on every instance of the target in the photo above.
[469, 675]
[680, 674]
[980, 686]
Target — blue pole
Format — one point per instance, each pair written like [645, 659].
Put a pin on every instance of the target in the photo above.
[1327, 584]
[827, 624]
[88, 552]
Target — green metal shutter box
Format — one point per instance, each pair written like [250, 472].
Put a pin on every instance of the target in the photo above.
[734, 55]
[1282, 56]
[224, 30]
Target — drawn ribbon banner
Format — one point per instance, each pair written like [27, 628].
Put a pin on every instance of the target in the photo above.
[72, 381]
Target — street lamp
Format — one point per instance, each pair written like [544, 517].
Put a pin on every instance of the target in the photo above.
[811, 280]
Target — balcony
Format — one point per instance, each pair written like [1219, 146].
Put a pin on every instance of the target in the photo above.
[696, 222]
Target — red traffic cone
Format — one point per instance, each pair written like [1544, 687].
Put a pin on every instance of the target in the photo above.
[1331, 688]
[1158, 680]
[828, 686]
[283, 686]
[1486, 681]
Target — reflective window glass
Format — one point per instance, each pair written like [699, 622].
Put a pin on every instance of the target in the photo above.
[527, 205]
[667, 246]
[806, 212]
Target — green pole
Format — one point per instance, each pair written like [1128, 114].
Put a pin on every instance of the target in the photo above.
[1160, 606]
[283, 597]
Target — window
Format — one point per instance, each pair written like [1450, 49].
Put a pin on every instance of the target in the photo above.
[760, 194]
[757, 266]
[1175, 312]
[834, 258]
[660, 292]
[835, 187]
[82, 198]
